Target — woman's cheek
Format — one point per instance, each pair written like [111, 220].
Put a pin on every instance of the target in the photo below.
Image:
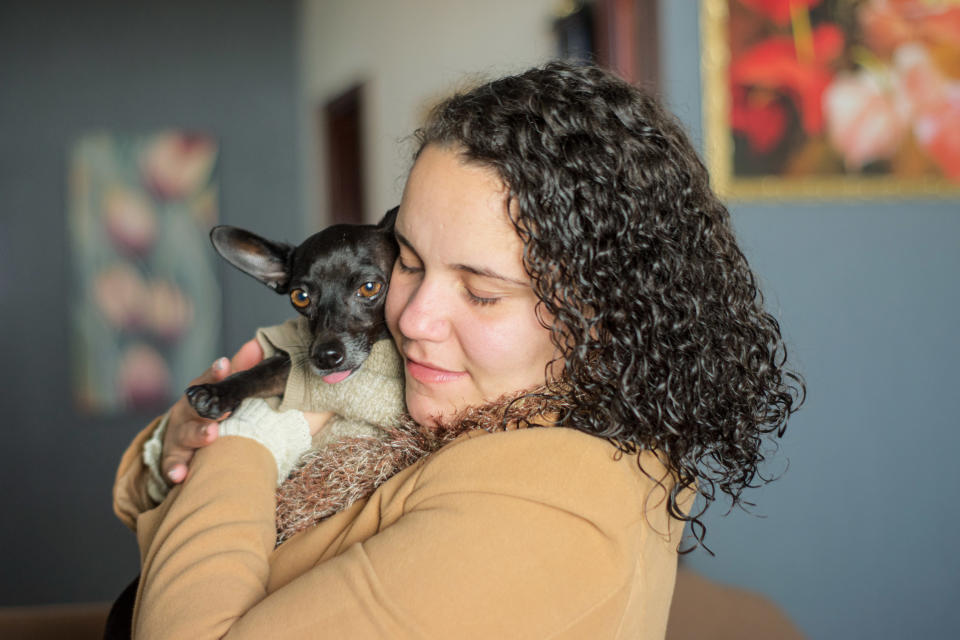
[396, 299]
[499, 353]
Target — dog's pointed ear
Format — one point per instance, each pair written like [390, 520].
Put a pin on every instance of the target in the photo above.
[265, 260]
[388, 220]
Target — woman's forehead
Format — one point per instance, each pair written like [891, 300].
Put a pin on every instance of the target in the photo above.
[458, 210]
[445, 172]
[447, 190]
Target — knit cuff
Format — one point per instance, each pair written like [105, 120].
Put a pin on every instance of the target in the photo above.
[157, 487]
[285, 434]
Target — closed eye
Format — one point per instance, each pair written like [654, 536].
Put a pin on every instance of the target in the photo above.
[406, 249]
[405, 268]
[475, 299]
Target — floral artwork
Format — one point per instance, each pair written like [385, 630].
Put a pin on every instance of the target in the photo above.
[146, 307]
[828, 97]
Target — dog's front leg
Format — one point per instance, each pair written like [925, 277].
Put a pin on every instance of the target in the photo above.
[268, 378]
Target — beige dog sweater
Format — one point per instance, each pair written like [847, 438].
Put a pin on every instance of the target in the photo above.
[370, 401]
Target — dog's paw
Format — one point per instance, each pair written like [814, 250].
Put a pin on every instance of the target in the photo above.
[208, 402]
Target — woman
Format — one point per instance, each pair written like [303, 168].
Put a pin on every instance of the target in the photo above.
[584, 347]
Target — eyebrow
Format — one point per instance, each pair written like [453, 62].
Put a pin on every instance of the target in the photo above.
[478, 271]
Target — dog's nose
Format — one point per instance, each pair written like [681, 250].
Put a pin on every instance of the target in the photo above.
[329, 355]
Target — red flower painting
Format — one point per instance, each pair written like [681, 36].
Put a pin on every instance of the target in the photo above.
[827, 88]
[775, 66]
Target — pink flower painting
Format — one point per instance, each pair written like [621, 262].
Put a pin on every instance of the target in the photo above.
[129, 219]
[176, 164]
[868, 90]
[145, 308]
[143, 377]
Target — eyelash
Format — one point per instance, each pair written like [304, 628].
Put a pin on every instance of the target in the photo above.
[404, 268]
[474, 299]
[480, 301]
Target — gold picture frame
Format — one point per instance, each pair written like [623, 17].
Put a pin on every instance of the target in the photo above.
[821, 157]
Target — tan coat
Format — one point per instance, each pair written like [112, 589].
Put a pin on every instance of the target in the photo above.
[531, 533]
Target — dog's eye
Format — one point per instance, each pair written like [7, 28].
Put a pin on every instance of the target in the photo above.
[299, 298]
[369, 289]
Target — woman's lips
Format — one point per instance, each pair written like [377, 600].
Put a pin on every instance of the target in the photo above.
[431, 375]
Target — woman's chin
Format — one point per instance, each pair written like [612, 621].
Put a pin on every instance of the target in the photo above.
[427, 412]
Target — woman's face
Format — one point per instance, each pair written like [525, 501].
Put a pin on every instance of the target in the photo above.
[460, 305]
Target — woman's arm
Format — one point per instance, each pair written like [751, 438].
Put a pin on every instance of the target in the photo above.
[493, 542]
[204, 549]
[184, 433]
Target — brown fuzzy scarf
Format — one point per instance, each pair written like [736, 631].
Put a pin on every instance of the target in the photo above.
[330, 479]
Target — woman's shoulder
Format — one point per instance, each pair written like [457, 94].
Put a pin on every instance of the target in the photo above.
[562, 467]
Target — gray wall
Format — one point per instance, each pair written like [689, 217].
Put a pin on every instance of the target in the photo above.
[859, 538]
[226, 67]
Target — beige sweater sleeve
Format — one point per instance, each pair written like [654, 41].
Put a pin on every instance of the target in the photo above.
[130, 488]
[495, 540]
[204, 549]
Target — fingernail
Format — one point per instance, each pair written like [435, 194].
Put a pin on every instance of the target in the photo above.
[219, 364]
[205, 430]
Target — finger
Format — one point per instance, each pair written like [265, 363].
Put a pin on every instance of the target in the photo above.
[219, 370]
[174, 466]
[248, 355]
[182, 443]
[196, 434]
[177, 473]
[317, 421]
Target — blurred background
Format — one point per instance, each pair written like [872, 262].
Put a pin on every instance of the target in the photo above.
[856, 539]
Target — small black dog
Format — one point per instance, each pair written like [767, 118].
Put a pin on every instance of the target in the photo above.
[337, 279]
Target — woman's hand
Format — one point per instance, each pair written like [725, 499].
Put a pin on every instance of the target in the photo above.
[317, 421]
[186, 430]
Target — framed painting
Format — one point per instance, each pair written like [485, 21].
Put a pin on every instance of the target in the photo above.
[145, 308]
[827, 98]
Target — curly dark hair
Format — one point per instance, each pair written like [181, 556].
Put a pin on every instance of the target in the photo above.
[665, 341]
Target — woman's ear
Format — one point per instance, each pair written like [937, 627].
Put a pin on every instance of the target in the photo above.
[265, 260]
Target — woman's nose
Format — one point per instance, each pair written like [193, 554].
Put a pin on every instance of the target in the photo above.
[425, 316]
